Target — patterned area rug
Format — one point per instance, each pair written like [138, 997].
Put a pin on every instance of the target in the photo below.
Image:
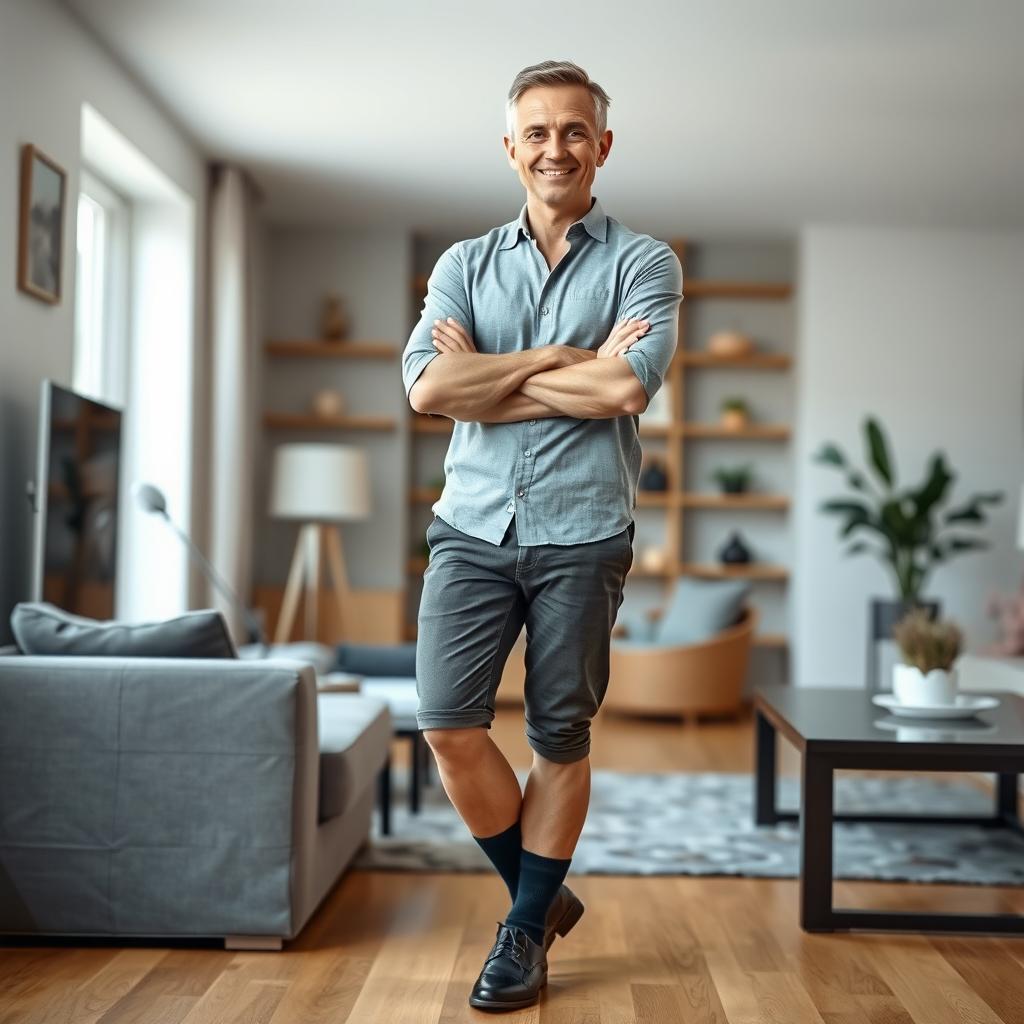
[702, 824]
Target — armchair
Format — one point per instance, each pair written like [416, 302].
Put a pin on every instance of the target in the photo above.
[682, 679]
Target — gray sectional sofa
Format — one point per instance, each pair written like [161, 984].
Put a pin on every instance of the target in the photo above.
[179, 797]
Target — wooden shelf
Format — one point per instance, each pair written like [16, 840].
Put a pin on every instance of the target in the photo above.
[656, 499]
[773, 640]
[310, 421]
[755, 361]
[422, 424]
[753, 571]
[712, 289]
[424, 495]
[656, 429]
[416, 565]
[314, 348]
[737, 502]
[755, 432]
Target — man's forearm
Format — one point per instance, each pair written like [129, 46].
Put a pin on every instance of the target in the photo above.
[592, 390]
[465, 385]
[516, 407]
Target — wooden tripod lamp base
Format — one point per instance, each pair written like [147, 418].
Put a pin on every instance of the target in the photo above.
[319, 485]
[316, 541]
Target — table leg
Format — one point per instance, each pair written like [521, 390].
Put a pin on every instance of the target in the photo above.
[765, 811]
[1006, 798]
[816, 844]
[384, 797]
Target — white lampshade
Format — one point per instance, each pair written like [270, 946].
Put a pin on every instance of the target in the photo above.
[1020, 520]
[320, 482]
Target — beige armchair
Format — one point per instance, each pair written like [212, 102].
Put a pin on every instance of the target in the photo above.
[682, 680]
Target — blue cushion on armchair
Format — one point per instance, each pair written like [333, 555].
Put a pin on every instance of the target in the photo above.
[699, 609]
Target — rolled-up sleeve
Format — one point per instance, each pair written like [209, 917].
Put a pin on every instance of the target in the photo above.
[446, 297]
[654, 295]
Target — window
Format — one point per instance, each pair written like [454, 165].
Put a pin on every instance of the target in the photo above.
[101, 293]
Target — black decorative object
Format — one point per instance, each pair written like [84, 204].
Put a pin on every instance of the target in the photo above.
[735, 552]
[654, 477]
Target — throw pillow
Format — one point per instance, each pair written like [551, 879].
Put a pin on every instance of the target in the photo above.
[43, 628]
[701, 608]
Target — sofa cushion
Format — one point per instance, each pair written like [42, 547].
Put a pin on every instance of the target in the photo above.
[355, 738]
[699, 609]
[377, 659]
[43, 628]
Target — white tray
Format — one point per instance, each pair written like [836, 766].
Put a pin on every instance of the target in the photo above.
[966, 705]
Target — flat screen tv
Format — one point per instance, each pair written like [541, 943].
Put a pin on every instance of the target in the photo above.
[74, 558]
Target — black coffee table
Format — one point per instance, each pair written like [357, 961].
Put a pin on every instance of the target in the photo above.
[833, 728]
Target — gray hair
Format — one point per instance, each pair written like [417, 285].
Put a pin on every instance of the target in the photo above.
[557, 72]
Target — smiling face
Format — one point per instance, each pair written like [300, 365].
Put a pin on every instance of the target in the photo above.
[555, 148]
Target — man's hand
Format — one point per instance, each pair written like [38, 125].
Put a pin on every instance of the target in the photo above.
[624, 334]
[450, 336]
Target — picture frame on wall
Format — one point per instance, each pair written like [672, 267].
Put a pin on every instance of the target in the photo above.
[41, 225]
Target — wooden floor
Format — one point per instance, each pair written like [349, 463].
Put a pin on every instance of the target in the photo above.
[397, 948]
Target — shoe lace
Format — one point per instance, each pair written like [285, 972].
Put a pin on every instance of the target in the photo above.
[508, 943]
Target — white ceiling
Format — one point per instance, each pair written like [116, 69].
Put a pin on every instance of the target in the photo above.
[731, 117]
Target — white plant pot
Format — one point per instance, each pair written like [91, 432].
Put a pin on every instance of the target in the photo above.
[912, 686]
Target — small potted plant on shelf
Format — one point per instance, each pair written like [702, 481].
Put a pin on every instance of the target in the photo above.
[929, 648]
[735, 414]
[733, 479]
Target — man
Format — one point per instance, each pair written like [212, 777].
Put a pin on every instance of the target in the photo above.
[543, 339]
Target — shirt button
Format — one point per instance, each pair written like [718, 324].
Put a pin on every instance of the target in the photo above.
[532, 422]
[543, 310]
[527, 453]
[522, 493]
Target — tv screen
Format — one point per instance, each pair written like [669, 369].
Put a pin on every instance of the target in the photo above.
[75, 556]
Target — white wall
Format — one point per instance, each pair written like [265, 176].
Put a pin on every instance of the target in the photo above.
[49, 66]
[926, 330]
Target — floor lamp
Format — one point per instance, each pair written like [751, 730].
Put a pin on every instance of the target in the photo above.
[319, 485]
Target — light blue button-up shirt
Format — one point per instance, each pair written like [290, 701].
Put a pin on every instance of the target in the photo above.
[566, 480]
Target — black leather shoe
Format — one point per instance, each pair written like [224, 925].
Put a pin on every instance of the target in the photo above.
[515, 971]
[564, 912]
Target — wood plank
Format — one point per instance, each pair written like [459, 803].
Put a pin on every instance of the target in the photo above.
[753, 571]
[753, 361]
[754, 432]
[735, 502]
[708, 288]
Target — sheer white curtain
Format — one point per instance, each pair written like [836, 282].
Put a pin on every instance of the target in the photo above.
[232, 387]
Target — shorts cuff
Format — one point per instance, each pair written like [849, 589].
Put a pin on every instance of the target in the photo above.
[453, 719]
[560, 756]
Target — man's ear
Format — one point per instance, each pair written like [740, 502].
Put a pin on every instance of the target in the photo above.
[510, 150]
[604, 147]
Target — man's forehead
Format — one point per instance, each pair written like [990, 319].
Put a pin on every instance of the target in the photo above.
[551, 104]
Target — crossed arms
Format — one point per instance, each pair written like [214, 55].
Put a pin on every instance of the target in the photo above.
[553, 380]
[445, 375]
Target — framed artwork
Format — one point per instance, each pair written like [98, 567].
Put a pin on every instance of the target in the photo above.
[41, 225]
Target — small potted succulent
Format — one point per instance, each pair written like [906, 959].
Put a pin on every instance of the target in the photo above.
[733, 479]
[735, 413]
[929, 648]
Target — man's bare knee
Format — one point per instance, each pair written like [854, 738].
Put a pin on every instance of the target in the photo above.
[456, 744]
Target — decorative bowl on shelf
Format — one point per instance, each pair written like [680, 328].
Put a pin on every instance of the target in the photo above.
[328, 404]
[730, 344]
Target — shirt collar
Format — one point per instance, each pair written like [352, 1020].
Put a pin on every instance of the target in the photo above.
[594, 221]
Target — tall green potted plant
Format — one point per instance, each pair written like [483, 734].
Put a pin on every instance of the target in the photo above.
[909, 529]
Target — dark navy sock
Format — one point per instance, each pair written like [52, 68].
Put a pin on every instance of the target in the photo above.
[503, 851]
[539, 880]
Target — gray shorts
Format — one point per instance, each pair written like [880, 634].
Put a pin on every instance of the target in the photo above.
[476, 600]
